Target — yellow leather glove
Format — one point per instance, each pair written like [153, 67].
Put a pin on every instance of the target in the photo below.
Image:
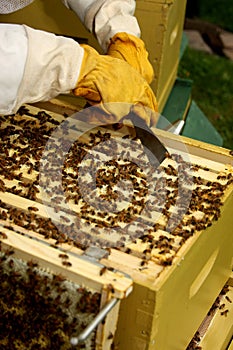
[116, 87]
[132, 50]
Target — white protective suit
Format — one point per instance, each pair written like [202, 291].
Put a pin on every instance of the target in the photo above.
[55, 67]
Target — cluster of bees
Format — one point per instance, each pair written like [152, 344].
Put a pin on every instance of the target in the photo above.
[40, 310]
[106, 194]
[221, 303]
[162, 207]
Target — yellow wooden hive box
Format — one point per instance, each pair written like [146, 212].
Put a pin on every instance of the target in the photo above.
[161, 22]
[177, 255]
[216, 330]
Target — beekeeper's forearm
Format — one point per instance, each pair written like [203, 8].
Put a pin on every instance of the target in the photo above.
[35, 66]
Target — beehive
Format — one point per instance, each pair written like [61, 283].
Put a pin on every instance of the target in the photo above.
[49, 292]
[170, 231]
[43, 310]
[49, 297]
[161, 23]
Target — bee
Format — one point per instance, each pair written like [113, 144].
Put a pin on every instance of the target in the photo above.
[224, 313]
[63, 256]
[167, 155]
[168, 261]
[9, 252]
[60, 240]
[11, 263]
[33, 208]
[147, 251]
[58, 278]
[32, 264]
[195, 167]
[143, 262]
[221, 177]
[110, 336]
[2, 186]
[64, 218]
[3, 235]
[111, 288]
[102, 270]
[228, 299]
[128, 251]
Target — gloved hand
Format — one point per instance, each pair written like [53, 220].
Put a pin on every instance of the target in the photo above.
[132, 50]
[116, 87]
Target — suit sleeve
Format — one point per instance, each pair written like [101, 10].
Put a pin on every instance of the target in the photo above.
[105, 18]
[36, 66]
[13, 55]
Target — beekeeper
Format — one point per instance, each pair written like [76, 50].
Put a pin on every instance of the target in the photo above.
[37, 65]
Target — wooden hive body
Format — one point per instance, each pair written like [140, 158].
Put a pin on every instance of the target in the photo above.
[162, 26]
[174, 284]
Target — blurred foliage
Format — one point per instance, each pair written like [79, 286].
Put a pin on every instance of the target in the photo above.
[219, 12]
[212, 89]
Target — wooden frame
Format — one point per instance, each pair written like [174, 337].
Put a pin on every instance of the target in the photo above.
[200, 268]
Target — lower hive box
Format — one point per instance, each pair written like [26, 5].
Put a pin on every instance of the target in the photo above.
[43, 308]
[68, 189]
[216, 330]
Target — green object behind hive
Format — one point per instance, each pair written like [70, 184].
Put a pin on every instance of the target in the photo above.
[179, 106]
[178, 101]
[197, 126]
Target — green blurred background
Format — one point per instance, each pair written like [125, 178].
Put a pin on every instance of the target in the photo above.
[212, 75]
[219, 12]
